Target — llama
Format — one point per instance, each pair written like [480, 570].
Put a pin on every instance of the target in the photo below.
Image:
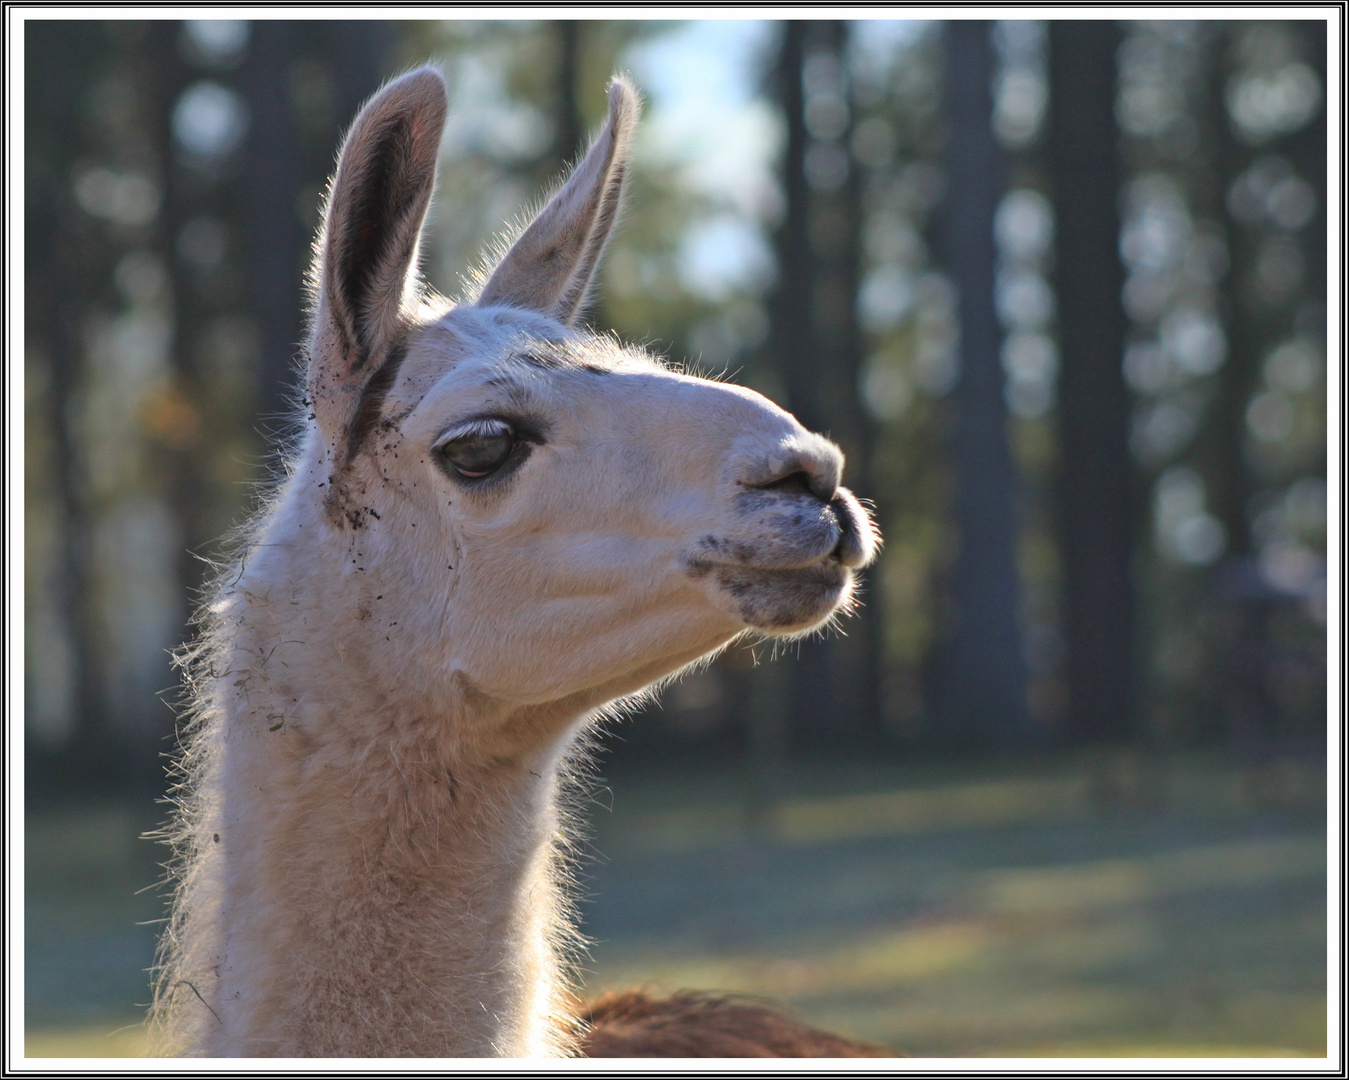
[496, 524]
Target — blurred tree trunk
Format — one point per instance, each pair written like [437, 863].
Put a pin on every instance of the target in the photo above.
[832, 691]
[63, 267]
[1096, 519]
[358, 53]
[273, 235]
[980, 692]
[792, 332]
[793, 346]
[1254, 325]
[287, 167]
[837, 231]
[568, 126]
[1249, 325]
[183, 455]
[1307, 150]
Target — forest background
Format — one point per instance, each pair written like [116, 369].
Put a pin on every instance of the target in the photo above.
[1059, 289]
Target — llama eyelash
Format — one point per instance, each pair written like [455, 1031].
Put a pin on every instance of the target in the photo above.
[483, 427]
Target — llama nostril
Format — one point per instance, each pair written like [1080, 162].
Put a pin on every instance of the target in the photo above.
[817, 483]
[794, 483]
[803, 464]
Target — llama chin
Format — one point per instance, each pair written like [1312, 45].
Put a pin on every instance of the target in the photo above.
[496, 525]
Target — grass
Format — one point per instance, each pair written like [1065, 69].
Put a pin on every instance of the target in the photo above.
[981, 910]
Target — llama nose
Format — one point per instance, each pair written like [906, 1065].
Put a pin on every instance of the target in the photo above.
[815, 470]
[858, 538]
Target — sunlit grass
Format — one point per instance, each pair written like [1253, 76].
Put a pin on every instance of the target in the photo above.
[974, 914]
[992, 986]
[991, 916]
[93, 1041]
[1161, 1050]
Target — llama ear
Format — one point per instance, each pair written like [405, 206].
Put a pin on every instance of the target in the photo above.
[551, 266]
[366, 256]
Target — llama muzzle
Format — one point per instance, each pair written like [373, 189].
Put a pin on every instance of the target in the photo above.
[859, 539]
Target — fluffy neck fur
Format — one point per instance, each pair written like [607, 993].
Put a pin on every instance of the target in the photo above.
[371, 845]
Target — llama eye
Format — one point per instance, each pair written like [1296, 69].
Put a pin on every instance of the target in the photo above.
[480, 452]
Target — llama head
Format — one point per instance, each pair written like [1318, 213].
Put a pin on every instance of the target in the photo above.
[542, 513]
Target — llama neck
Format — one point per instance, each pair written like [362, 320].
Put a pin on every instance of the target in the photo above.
[381, 900]
[372, 883]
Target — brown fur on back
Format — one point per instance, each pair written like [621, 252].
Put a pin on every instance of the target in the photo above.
[689, 1025]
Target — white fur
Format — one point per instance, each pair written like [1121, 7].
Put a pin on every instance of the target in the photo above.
[390, 680]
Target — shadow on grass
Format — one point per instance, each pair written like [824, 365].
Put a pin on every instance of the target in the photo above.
[974, 910]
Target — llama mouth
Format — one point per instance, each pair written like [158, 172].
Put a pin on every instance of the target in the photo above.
[785, 531]
[796, 568]
[784, 600]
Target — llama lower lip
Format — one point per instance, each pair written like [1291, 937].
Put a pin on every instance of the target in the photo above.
[786, 600]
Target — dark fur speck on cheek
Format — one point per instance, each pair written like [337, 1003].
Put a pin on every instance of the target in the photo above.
[724, 549]
[752, 500]
[697, 568]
